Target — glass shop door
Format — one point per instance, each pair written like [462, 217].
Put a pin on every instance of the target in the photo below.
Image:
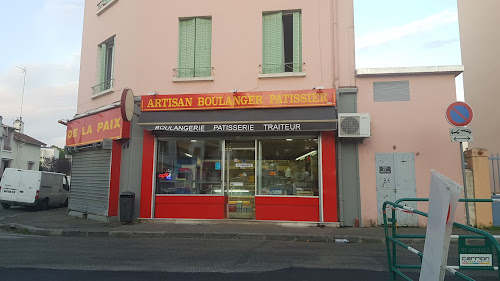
[240, 179]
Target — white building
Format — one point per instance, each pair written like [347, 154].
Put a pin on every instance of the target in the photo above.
[49, 153]
[18, 150]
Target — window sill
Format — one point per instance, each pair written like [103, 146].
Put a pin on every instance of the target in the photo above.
[103, 93]
[282, 75]
[105, 7]
[192, 79]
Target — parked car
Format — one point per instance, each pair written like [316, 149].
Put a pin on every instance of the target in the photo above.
[33, 188]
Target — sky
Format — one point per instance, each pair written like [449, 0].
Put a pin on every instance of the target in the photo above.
[44, 37]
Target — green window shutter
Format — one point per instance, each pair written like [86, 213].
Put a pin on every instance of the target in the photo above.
[203, 46]
[297, 42]
[103, 67]
[186, 48]
[112, 64]
[272, 43]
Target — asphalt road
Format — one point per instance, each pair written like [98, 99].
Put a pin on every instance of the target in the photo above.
[62, 258]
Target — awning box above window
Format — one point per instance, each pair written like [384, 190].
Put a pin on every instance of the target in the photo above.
[300, 119]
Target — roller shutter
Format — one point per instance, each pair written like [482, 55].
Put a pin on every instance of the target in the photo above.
[90, 179]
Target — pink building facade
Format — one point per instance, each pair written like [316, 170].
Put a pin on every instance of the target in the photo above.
[147, 42]
[412, 129]
[235, 114]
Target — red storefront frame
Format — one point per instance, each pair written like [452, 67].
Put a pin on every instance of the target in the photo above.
[278, 208]
[287, 208]
[190, 207]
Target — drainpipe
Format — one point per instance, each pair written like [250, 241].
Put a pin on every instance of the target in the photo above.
[339, 179]
[335, 63]
[335, 39]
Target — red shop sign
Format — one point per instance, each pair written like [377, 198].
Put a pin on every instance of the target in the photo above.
[108, 124]
[266, 99]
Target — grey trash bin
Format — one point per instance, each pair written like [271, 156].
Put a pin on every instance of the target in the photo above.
[127, 200]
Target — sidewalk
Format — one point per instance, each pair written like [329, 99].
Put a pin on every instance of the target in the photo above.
[56, 222]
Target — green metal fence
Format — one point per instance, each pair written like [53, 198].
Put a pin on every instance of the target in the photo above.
[393, 238]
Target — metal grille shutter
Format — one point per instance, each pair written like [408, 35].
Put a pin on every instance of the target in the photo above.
[391, 91]
[90, 178]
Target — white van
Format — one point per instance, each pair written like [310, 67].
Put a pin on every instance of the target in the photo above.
[33, 188]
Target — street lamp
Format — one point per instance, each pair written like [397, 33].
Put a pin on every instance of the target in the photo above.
[22, 97]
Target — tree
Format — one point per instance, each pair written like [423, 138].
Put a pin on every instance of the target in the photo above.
[57, 165]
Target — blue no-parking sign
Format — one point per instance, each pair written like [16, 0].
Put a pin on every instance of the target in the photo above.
[459, 114]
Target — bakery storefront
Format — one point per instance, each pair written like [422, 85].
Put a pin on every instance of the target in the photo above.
[252, 155]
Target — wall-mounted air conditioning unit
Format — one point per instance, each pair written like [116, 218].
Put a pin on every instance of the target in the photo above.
[354, 125]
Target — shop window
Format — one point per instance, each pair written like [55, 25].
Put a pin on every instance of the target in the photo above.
[282, 42]
[288, 167]
[195, 44]
[189, 167]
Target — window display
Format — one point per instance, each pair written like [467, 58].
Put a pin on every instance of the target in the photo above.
[281, 167]
[288, 167]
[189, 167]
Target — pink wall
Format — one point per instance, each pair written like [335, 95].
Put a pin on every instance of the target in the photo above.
[417, 126]
[147, 38]
[479, 24]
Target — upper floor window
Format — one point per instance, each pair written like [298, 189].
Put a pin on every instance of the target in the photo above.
[195, 45]
[282, 42]
[103, 5]
[106, 51]
[6, 139]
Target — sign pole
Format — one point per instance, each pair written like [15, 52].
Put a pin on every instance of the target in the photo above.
[459, 114]
[465, 183]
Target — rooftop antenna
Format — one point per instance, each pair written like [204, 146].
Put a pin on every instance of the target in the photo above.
[22, 97]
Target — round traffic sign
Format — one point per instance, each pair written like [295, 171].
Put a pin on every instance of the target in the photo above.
[459, 114]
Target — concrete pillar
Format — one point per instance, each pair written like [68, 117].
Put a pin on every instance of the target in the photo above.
[477, 161]
[469, 177]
